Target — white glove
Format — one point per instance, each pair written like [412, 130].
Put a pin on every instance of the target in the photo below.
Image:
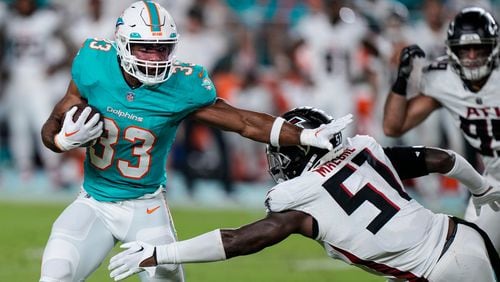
[126, 263]
[74, 134]
[490, 197]
[320, 137]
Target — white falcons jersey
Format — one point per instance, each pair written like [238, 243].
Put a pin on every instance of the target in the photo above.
[364, 216]
[476, 114]
[30, 42]
[331, 47]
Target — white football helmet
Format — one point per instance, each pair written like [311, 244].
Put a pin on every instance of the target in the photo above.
[146, 22]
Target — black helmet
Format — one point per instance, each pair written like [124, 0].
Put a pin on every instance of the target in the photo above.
[287, 162]
[475, 28]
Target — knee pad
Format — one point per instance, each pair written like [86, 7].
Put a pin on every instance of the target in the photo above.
[57, 270]
[59, 260]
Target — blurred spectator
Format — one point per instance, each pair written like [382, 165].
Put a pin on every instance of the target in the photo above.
[204, 154]
[200, 44]
[205, 150]
[332, 31]
[430, 34]
[31, 57]
[296, 85]
[457, 5]
[91, 24]
[430, 31]
[249, 157]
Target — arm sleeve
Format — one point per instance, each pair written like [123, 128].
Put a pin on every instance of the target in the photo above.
[464, 172]
[409, 162]
[203, 248]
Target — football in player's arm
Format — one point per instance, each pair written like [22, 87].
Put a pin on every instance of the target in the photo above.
[466, 83]
[325, 197]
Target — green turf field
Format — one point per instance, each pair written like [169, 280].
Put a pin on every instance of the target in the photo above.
[25, 228]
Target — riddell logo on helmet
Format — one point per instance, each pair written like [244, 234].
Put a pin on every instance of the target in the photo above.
[157, 33]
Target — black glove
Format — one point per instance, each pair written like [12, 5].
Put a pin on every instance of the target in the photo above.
[405, 67]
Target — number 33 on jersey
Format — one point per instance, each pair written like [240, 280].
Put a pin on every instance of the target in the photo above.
[139, 124]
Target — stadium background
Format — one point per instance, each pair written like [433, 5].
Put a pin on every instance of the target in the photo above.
[262, 55]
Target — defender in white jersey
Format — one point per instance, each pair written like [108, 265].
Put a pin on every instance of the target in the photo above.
[467, 84]
[353, 203]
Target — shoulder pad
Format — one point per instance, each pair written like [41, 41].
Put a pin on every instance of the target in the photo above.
[440, 63]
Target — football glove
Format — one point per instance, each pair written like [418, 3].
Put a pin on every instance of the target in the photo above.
[490, 197]
[406, 60]
[76, 133]
[320, 137]
[128, 262]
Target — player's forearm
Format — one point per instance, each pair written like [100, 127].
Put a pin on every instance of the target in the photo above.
[394, 115]
[261, 127]
[224, 244]
[49, 130]
[466, 174]
[203, 248]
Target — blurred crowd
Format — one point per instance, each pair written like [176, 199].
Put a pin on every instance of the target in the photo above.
[264, 55]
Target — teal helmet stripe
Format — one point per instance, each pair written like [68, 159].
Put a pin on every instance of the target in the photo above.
[154, 16]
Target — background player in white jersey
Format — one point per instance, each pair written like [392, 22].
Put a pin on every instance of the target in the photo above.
[30, 34]
[466, 83]
[331, 40]
[354, 205]
[142, 94]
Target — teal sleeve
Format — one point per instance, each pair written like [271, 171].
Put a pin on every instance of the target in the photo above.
[81, 70]
[207, 92]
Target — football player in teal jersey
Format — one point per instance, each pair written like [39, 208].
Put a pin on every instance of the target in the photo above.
[142, 94]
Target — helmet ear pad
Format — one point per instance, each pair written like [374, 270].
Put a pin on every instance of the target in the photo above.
[477, 29]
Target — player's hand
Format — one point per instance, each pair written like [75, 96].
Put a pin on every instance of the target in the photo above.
[490, 197]
[406, 59]
[136, 257]
[75, 133]
[320, 137]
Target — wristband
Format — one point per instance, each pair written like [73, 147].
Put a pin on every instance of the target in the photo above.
[275, 131]
[399, 86]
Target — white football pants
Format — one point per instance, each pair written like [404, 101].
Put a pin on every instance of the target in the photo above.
[465, 260]
[87, 230]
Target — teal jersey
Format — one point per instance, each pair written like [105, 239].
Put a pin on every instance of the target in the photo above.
[140, 124]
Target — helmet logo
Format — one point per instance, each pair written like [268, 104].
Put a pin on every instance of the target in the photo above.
[297, 121]
[135, 35]
[119, 21]
[154, 18]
